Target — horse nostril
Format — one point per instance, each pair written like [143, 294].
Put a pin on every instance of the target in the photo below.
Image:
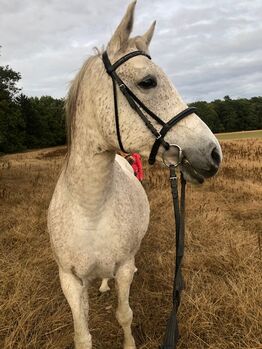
[216, 156]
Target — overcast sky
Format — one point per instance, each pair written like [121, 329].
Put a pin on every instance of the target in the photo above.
[209, 48]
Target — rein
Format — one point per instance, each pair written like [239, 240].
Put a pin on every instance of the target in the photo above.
[172, 333]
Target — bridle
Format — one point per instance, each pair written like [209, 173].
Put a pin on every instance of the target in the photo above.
[172, 333]
[139, 107]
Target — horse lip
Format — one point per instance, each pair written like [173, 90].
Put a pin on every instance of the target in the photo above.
[199, 174]
[207, 173]
[193, 172]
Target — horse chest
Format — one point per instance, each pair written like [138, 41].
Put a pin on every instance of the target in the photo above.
[95, 245]
[125, 219]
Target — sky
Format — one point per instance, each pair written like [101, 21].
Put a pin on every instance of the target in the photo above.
[209, 49]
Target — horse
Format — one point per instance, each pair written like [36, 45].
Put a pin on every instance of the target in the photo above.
[99, 211]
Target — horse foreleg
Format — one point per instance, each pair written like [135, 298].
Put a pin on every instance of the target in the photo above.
[124, 314]
[76, 294]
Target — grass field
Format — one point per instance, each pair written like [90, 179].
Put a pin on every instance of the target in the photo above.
[239, 135]
[221, 306]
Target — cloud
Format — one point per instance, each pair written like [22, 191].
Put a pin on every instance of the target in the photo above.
[209, 49]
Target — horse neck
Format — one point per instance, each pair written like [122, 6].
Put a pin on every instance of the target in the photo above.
[89, 171]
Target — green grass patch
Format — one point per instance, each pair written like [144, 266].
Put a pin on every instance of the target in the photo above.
[239, 135]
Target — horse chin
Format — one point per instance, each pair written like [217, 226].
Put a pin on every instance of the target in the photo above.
[191, 174]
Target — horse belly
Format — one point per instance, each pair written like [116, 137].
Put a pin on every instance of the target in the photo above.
[119, 235]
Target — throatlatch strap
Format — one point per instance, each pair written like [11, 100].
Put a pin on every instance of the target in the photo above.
[117, 117]
[124, 88]
[132, 99]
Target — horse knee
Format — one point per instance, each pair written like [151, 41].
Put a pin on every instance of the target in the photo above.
[124, 317]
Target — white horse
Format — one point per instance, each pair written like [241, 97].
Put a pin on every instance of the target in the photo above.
[99, 211]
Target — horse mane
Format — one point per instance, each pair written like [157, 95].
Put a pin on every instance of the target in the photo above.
[74, 89]
[72, 98]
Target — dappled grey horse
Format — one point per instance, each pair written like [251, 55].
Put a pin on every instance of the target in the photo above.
[99, 211]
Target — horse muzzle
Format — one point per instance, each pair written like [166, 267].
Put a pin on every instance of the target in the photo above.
[195, 170]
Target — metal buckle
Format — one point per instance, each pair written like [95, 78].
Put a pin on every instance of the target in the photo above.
[159, 136]
[180, 156]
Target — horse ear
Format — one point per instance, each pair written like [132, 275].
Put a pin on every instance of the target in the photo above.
[147, 37]
[120, 38]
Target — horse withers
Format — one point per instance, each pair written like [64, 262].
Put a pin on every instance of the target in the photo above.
[99, 211]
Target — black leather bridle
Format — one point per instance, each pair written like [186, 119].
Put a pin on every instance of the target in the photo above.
[172, 333]
[139, 107]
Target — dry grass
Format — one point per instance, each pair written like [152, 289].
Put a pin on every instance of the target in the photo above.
[221, 307]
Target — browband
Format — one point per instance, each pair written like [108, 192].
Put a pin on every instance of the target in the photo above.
[112, 67]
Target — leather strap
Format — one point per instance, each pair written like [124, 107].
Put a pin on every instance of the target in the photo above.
[171, 336]
[117, 117]
[132, 99]
[139, 106]
[167, 126]
[172, 331]
[123, 87]
[112, 67]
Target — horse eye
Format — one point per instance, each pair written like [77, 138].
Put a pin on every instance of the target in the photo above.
[148, 82]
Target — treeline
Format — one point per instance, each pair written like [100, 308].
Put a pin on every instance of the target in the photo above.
[231, 115]
[28, 122]
[32, 122]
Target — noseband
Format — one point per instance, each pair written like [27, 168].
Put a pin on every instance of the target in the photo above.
[139, 107]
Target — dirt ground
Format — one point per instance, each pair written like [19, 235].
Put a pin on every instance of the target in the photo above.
[222, 304]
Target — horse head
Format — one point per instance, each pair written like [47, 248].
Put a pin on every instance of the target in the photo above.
[128, 58]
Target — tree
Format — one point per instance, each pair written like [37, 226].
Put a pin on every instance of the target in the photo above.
[208, 115]
[32, 121]
[8, 80]
[51, 115]
[226, 114]
[256, 106]
[12, 124]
